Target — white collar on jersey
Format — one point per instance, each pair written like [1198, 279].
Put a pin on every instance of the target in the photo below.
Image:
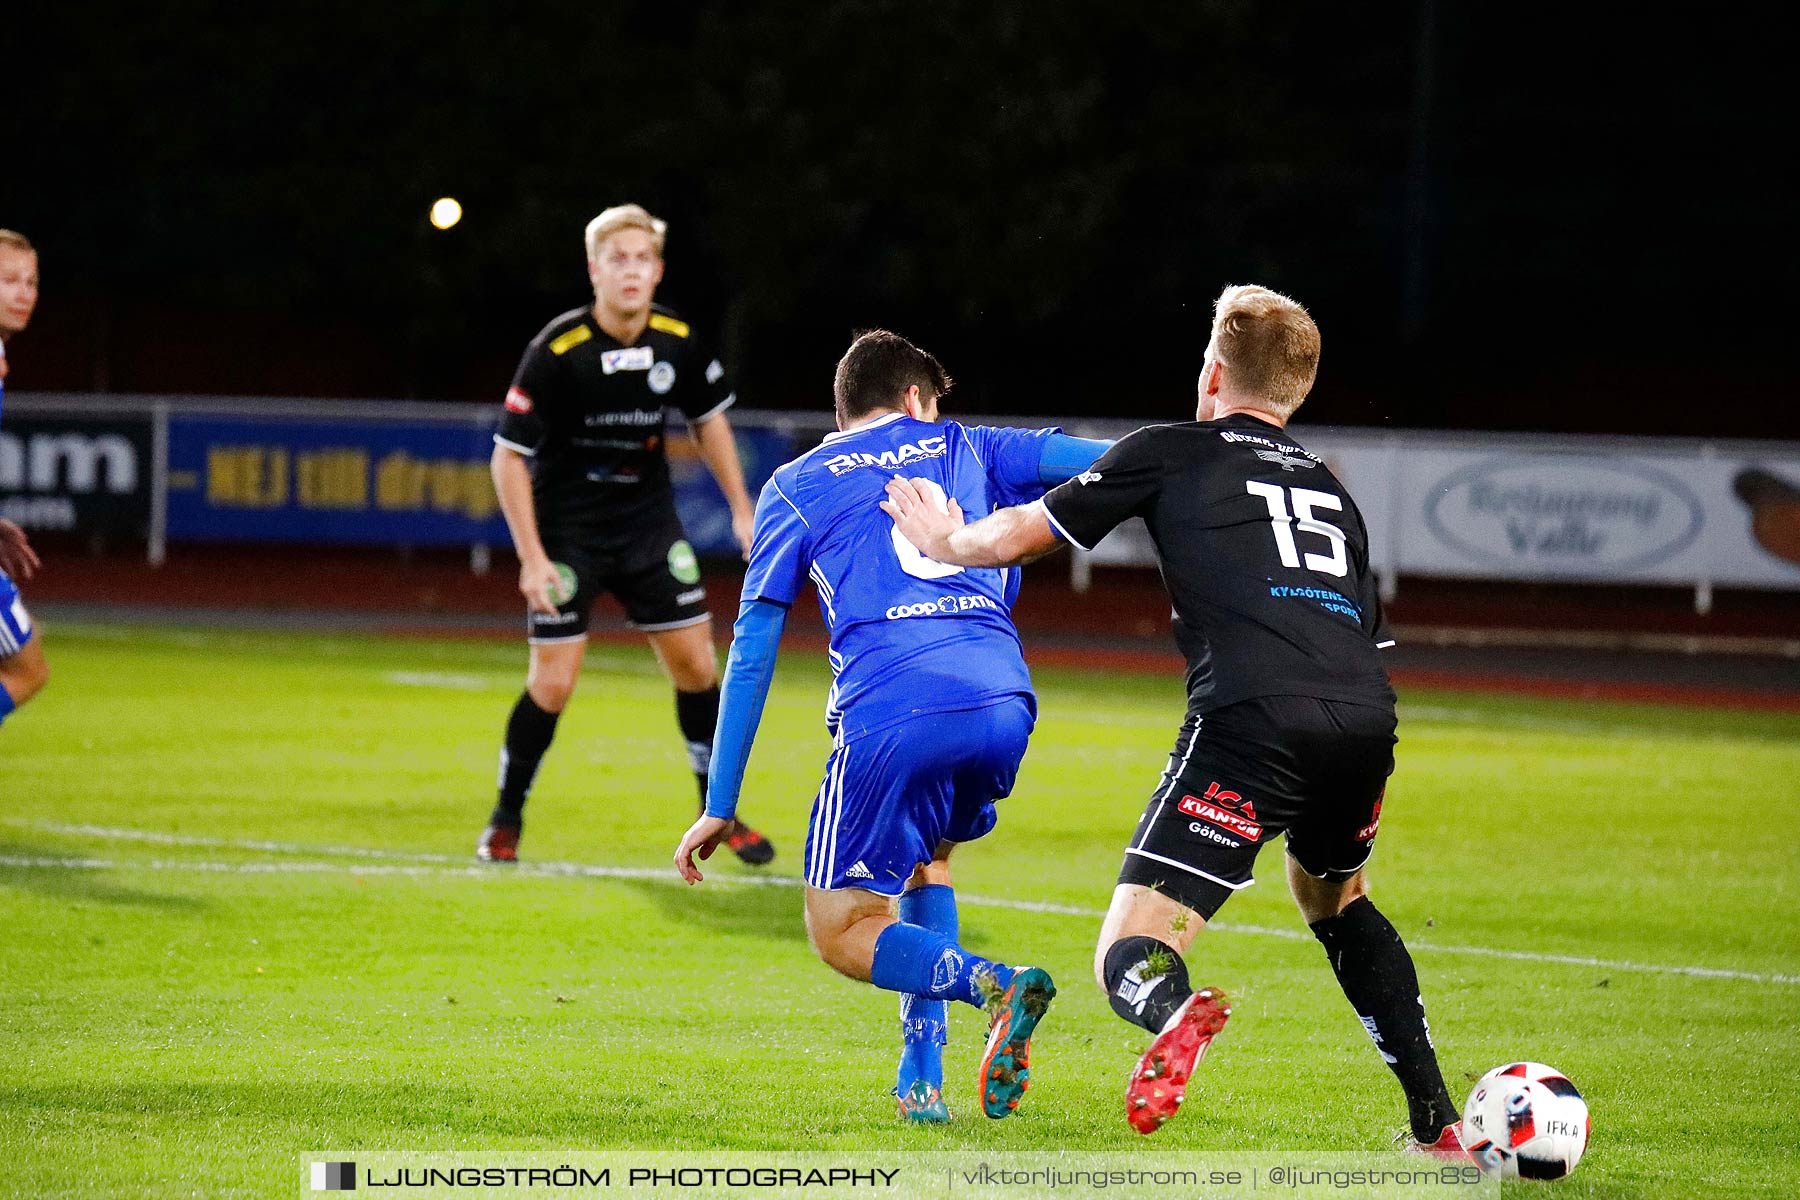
[877, 423]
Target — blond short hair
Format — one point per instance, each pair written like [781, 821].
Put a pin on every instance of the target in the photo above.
[1269, 345]
[624, 216]
[17, 241]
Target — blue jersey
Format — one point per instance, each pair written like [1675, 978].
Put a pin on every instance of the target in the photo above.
[908, 635]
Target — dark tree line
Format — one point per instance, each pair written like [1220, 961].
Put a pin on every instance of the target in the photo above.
[231, 197]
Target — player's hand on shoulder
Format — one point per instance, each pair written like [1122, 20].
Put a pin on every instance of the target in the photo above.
[926, 517]
[539, 581]
[17, 558]
[702, 838]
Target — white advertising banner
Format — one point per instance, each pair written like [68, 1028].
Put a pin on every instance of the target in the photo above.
[1466, 505]
[1591, 513]
[1587, 510]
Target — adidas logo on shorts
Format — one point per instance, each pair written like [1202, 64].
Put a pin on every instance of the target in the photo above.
[859, 871]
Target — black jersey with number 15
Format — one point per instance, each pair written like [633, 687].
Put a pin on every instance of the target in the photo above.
[589, 411]
[1262, 550]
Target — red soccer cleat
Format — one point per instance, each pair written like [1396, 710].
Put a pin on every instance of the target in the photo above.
[498, 844]
[1449, 1146]
[1159, 1081]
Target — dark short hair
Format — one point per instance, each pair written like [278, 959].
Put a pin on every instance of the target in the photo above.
[876, 371]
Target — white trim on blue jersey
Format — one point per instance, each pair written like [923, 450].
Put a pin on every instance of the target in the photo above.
[877, 423]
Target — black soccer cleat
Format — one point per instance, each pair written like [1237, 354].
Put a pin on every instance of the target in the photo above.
[499, 844]
[751, 847]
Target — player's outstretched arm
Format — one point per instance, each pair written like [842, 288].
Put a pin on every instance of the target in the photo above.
[748, 671]
[1062, 457]
[718, 448]
[1004, 538]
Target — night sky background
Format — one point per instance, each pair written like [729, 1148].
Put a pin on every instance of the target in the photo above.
[1503, 217]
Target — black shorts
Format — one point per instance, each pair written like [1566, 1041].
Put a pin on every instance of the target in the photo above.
[1312, 769]
[654, 574]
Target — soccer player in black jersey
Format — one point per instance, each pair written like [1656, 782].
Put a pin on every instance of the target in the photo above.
[1290, 721]
[580, 468]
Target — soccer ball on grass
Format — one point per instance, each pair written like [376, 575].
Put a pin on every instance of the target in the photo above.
[1525, 1121]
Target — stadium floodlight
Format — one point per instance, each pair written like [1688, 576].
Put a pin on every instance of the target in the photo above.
[445, 212]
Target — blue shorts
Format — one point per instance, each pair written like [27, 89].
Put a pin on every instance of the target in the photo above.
[891, 796]
[15, 626]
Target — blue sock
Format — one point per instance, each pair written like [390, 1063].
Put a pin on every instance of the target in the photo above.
[6, 703]
[925, 1023]
[913, 959]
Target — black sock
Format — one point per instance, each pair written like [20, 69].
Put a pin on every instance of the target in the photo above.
[698, 715]
[1378, 978]
[528, 734]
[1146, 981]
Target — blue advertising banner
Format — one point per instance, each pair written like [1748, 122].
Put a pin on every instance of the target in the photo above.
[704, 512]
[369, 482]
[380, 482]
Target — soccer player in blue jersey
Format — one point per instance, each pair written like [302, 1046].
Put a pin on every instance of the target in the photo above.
[930, 707]
[23, 671]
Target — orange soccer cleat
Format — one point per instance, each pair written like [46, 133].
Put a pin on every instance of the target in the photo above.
[1006, 1066]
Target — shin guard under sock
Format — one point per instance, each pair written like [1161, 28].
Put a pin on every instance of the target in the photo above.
[925, 1022]
[913, 959]
[698, 715]
[528, 733]
[1378, 977]
[1146, 981]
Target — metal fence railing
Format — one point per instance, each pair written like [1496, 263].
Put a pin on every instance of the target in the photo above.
[1476, 506]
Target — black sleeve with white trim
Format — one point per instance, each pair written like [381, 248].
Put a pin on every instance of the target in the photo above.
[1123, 483]
[705, 390]
[1377, 620]
[534, 385]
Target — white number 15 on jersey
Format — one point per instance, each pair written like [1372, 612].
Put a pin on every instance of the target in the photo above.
[1302, 518]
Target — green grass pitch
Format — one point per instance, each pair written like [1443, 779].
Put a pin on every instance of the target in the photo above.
[188, 1016]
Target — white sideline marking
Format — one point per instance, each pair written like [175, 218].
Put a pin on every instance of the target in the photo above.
[445, 865]
[190, 839]
[251, 868]
[1433, 714]
[1494, 719]
[467, 868]
[436, 679]
[1578, 960]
